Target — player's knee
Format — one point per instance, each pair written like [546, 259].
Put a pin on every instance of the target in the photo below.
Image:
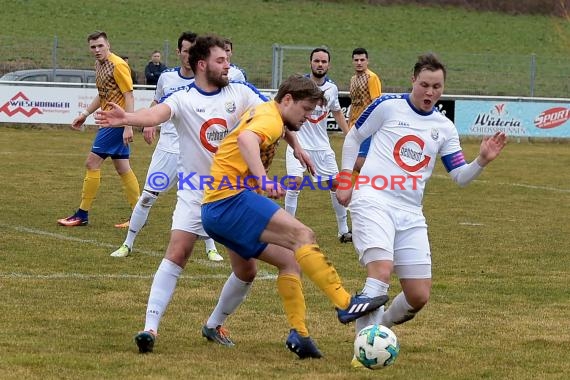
[290, 266]
[305, 235]
[179, 250]
[246, 273]
[418, 299]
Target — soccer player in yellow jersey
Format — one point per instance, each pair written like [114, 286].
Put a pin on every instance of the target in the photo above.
[365, 86]
[251, 225]
[114, 84]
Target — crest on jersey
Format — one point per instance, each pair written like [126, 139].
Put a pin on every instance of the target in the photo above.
[230, 107]
[434, 134]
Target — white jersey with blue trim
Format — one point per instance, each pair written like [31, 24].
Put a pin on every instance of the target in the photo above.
[235, 73]
[313, 134]
[202, 119]
[402, 155]
[170, 80]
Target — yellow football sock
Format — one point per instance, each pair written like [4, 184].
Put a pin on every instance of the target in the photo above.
[91, 184]
[131, 187]
[321, 271]
[290, 290]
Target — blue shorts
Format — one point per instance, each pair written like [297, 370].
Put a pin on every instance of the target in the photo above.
[238, 221]
[109, 143]
[364, 147]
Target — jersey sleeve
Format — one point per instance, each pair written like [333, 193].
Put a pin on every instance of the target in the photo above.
[334, 104]
[268, 126]
[372, 119]
[451, 153]
[173, 101]
[374, 86]
[253, 95]
[159, 92]
[122, 75]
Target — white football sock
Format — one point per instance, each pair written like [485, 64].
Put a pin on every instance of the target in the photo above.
[291, 198]
[161, 292]
[139, 216]
[233, 294]
[399, 311]
[340, 212]
[372, 288]
[210, 244]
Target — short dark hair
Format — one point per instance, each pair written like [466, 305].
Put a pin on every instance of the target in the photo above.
[300, 88]
[316, 50]
[360, 51]
[227, 41]
[97, 34]
[429, 61]
[200, 51]
[186, 36]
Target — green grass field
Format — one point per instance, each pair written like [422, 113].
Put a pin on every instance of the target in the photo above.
[499, 308]
[487, 53]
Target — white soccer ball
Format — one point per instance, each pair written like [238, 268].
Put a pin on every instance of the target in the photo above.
[376, 347]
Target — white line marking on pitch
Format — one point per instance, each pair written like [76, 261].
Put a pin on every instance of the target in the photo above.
[533, 187]
[261, 275]
[74, 239]
[82, 276]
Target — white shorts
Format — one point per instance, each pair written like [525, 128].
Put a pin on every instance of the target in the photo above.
[187, 214]
[324, 161]
[162, 172]
[402, 234]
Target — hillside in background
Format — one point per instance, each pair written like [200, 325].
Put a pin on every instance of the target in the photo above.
[489, 53]
[545, 7]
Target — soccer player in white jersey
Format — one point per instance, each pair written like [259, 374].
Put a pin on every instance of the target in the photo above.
[389, 228]
[203, 114]
[314, 139]
[162, 173]
[235, 73]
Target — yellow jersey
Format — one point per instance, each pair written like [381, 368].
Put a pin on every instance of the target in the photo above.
[229, 171]
[363, 89]
[113, 79]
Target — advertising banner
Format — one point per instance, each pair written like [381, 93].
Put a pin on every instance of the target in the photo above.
[517, 119]
[52, 105]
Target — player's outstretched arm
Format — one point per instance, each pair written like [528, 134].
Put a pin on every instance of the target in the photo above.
[146, 117]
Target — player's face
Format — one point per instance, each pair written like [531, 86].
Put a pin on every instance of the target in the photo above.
[360, 62]
[183, 55]
[228, 49]
[295, 113]
[427, 88]
[217, 67]
[320, 64]
[100, 48]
